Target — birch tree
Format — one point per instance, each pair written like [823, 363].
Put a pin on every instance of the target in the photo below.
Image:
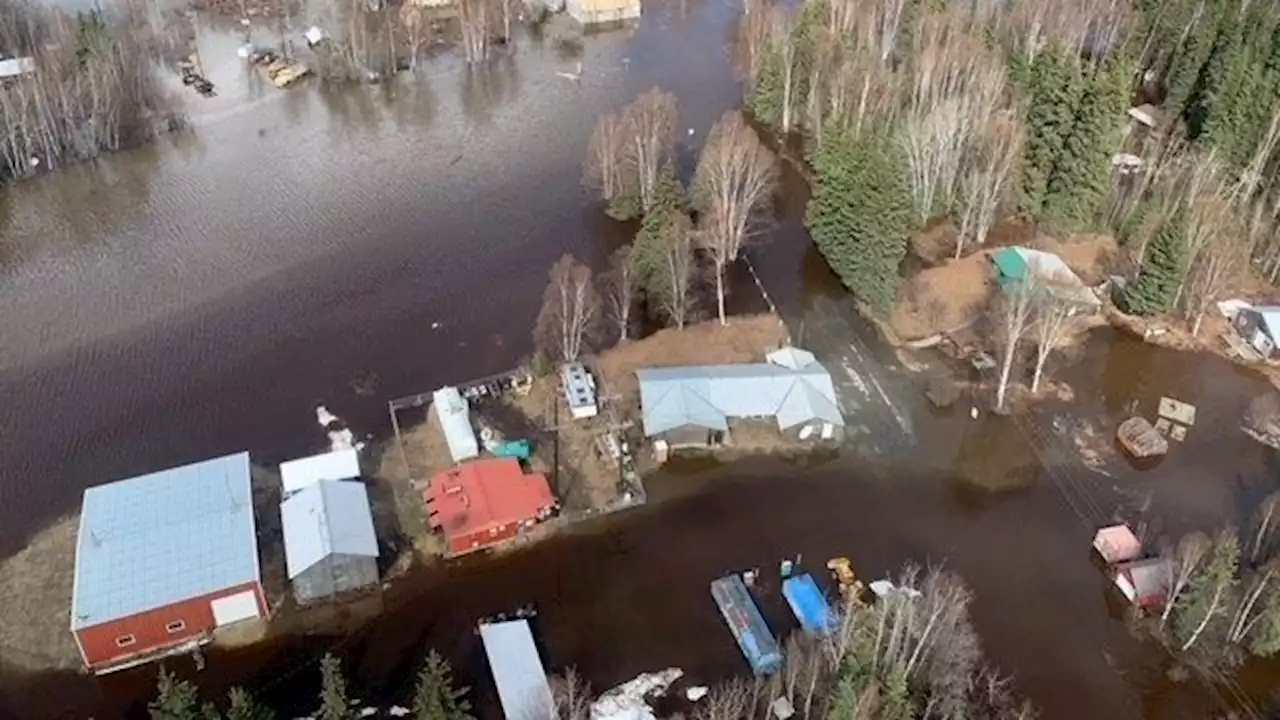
[1011, 319]
[1050, 327]
[1218, 266]
[985, 182]
[570, 310]
[476, 20]
[649, 131]
[1189, 553]
[604, 171]
[734, 183]
[622, 285]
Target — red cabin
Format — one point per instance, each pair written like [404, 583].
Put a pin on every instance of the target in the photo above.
[483, 502]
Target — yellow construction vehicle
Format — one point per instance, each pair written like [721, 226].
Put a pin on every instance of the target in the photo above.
[842, 570]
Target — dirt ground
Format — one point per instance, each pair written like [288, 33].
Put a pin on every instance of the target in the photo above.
[943, 298]
[745, 339]
[35, 590]
[1090, 256]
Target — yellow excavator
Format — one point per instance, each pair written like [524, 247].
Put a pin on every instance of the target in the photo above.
[851, 587]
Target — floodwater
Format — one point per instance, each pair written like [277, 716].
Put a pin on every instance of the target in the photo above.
[199, 296]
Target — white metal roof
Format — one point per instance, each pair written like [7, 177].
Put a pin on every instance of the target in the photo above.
[341, 464]
[13, 67]
[579, 386]
[157, 539]
[708, 395]
[327, 517]
[517, 670]
[455, 421]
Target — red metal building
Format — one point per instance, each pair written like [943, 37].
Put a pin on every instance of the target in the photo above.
[483, 502]
[163, 561]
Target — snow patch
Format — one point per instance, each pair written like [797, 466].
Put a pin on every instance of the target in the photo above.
[628, 700]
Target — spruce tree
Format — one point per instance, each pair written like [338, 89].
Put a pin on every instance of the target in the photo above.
[764, 95]
[436, 696]
[1204, 606]
[860, 214]
[176, 699]
[245, 707]
[1080, 180]
[1053, 87]
[1191, 57]
[1163, 268]
[334, 703]
[646, 251]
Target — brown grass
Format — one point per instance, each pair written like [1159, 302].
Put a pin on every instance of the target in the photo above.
[745, 339]
[35, 591]
[943, 298]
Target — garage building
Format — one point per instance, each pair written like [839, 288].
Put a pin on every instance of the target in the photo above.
[163, 561]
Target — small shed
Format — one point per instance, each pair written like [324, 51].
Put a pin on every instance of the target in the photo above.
[518, 672]
[329, 542]
[455, 421]
[1117, 544]
[343, 464]
[1260, 328]
[1146, 114]
[1144, 583]
[579, 390]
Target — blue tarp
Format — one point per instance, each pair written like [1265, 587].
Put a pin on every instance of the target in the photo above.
[811, 609]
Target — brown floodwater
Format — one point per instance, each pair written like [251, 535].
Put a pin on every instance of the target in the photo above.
[199, 296]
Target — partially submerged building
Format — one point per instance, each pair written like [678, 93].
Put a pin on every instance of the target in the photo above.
[518, 673]
[455, 421]
[343, 464]
[484, 502]
[595, 12]
[1014, 265]
[1260, 328]
[692, 405]
[1144, 583]
[330, 545]
[579, 390]
[163, 561]
[1117, 544]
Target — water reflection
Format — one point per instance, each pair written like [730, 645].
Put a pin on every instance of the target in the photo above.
[487, 87]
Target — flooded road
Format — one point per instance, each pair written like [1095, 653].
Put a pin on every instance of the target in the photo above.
[198, 297]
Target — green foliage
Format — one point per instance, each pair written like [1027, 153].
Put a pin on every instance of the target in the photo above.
[764, 96]
[334, 703]
[1264, 640]
[1192, 56]
[646, 251]
[1053, 89]
[1207, 599]
[176, 699]
[625, 205]
[245, 707]
[860, 214]
[897, 698]
[1080, 180]
[1163, 268]
[436, 696]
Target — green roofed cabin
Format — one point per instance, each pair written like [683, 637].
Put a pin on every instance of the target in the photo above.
[1011, 267]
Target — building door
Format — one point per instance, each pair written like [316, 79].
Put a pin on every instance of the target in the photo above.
[234, 608]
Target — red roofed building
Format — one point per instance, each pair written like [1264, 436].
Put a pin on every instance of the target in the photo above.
[483, 502]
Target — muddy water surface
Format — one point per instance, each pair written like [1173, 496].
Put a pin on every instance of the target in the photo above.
[197, 297]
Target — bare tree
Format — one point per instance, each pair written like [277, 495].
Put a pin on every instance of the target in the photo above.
[622, 286]
[1248, 613]
[729, 700]
[649, 128]
[984, 182]
[1218, 267]
[1265, 522]
[1187, 558]
[788, 55]
[570, 310]
[955, 91]
[476, 21]
[605, 169]
[735, 180]
[1011, 319]
[1050, 327]
[751, 38]
[571, 696]
[676, 272]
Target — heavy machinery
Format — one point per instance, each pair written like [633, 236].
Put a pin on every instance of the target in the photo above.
[851, 587]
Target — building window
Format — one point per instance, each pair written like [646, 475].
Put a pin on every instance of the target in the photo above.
[176, 626]
[126, 641]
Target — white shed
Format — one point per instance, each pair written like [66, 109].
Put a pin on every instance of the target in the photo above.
[336, 465]
[455, 421]
[579, 390]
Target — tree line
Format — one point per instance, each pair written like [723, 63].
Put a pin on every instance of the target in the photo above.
[436, 697]
[93, 87]
[912, 111]
[688, 237]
